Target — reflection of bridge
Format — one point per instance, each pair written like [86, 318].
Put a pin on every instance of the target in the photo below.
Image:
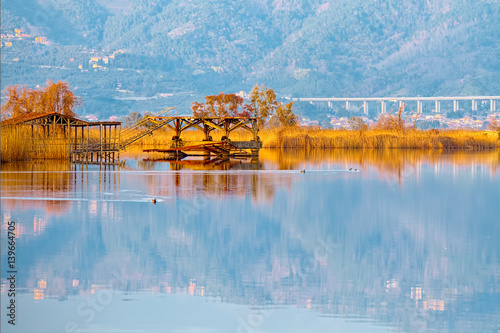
[472, 100]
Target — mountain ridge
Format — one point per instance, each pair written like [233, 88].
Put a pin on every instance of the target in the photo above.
[299, 48]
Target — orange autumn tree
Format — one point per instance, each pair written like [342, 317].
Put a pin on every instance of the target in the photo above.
[262, 105]
[55, 97]
[221, 105]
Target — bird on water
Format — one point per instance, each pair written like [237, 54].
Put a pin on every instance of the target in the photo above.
[154, 201]
[302, 171]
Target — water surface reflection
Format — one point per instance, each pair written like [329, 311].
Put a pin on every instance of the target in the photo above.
[410, 242]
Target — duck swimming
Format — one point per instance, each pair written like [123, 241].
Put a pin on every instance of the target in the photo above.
[154, 201]
[302, 171]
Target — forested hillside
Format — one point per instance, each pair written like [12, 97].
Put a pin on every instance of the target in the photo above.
[300, 48]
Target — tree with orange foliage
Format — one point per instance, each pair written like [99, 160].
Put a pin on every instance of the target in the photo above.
[285, 114]
[55, 97]
[221, 105]
[263, 104]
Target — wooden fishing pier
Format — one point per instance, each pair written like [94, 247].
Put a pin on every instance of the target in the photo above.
[101, 142]
[223, 148]
[96, 143]
[84, 141]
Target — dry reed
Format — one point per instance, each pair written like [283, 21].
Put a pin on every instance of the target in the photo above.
[298, 137]
[17, 144]
[14, 145]
[379, 139]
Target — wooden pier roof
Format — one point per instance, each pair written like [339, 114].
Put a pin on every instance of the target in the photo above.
[47, 118]
[51, 118]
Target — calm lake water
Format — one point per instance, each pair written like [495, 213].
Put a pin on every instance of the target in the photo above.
[409, 243]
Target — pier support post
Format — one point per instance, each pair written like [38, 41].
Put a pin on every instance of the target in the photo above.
[365, 107]
[178, 125]
[474, 105]
[226, 129]
[87, 145]
[383, 106]
[99, 159]
[347, 105]
[493, 106]
[206, 131]
[455, 105]
[255, 130]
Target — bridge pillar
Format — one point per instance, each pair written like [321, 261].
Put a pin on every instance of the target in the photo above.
[419, 106]
[455, 105]
[474, 105]
[493, 106]
[383, 106]
[365, 107]
[400, 103]
[347, 105]
[437, 107]
[329, 104]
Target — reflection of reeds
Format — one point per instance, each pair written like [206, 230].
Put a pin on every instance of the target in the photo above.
[19, 143]
[388, 161]
[46, 179]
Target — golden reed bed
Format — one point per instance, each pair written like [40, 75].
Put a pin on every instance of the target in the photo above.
[17, 145]
[297, 137]
[380, 139]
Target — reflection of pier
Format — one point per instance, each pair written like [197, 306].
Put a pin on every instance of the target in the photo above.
[221, 150]
[213, 163]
